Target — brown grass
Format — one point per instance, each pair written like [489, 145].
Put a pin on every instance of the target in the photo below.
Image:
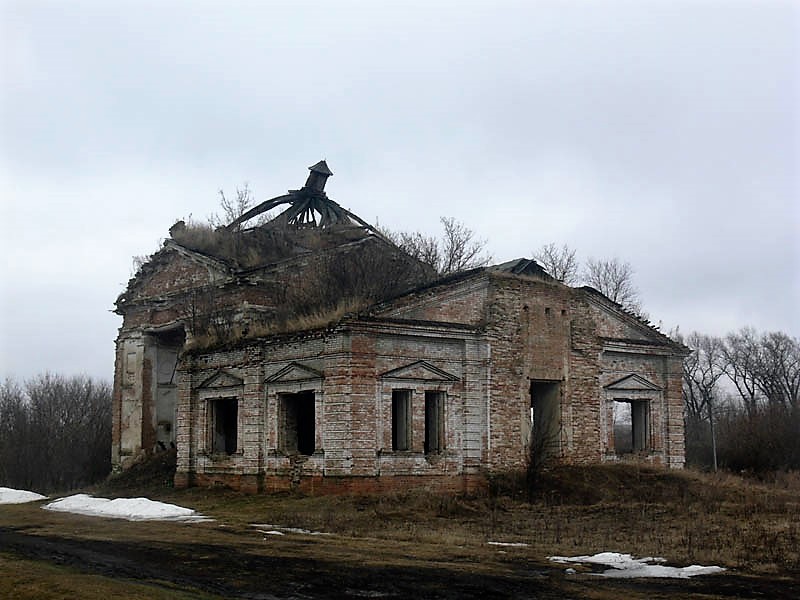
[248, 248]
[686, 517]
[321, 318]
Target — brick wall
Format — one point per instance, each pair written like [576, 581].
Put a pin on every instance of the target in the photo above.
[481, 340]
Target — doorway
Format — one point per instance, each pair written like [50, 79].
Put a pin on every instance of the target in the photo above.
[298, 423]
[545, 413]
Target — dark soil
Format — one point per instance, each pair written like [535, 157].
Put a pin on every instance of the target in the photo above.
[372, 555]
[233, 572]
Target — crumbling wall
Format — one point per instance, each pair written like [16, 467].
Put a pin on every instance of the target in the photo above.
[343, 370]
[540, 333]
[461, 302]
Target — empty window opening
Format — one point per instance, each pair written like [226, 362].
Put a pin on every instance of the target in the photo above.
[224, 425]
[631, 426]
[545, 418]
[297, 429]
[168, 345]
[434, 422]
[401, 420]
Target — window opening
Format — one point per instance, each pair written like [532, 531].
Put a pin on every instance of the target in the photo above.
[631, 426]
[298, 423]
[225, 417]
[168, 345]
[401, 420]
[434, 422]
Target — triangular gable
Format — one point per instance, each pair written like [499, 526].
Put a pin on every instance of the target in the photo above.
[155, 278]
[221, 379]
[632, 382]
[295, 372]
[419, 370]
[426, 302]
[615, 323]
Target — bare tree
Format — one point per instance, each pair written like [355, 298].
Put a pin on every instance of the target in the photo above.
[614, 279]
[55, 432]
[16, 441]
[759, 434]
[560, 262]
[764, 367]
[611, 277]
[741, 352]
[779, 369]
[702, 370]
[458, 248]
[425, 248]
[233, 208]
[461, 250]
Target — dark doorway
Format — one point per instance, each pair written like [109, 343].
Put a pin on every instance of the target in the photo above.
[298, 427]
[225, 425]
[545, 418]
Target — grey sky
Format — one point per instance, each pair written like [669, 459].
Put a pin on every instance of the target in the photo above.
[662, 133]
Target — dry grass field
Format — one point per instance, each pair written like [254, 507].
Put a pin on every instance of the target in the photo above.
[417, 543]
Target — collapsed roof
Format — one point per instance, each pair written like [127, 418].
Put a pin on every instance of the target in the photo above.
[311, 222]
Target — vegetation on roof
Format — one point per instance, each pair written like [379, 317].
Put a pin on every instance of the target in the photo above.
[263, 245]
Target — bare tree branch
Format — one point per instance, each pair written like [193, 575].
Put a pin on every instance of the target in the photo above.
[560, 263]
[461, 250]
[457, 250]
[614, 279]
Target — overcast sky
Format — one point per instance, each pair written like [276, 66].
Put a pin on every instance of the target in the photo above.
[662, 133]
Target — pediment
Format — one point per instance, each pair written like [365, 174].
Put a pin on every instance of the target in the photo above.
[157, 277]
[633, 382]
[421, 371]
[221, 379]
[295, 372]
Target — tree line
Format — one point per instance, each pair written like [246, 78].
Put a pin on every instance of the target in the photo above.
[742, 400]
[55, 432]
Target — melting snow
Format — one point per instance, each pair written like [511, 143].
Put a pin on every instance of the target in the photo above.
[12, 496]
[509, 544]
[275, 530]
[625, 566]
[133, 509]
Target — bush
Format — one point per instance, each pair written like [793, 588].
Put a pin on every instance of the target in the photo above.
[764, 439]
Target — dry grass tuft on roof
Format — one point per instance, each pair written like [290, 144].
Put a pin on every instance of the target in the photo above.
[267, 244]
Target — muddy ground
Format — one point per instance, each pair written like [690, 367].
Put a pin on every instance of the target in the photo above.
[414, 545]
[214, 560]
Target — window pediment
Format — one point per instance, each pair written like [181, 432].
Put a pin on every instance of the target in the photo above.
[419, 371]
[294, 372]
[221, 379]
[633, 382]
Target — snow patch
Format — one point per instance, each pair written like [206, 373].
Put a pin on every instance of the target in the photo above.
[12, 496]
[276, 530]
[132, 509]
[509, 544]
[625, 566]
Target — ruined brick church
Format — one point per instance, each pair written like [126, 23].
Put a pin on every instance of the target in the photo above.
[308, 351]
